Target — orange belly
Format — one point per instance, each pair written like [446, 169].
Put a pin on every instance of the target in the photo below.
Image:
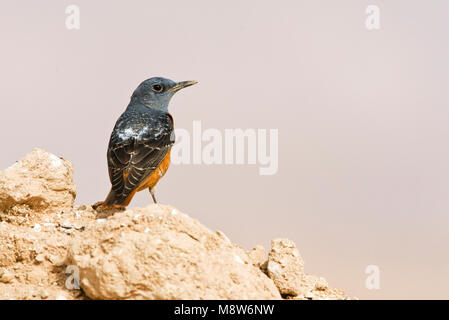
[153, 178]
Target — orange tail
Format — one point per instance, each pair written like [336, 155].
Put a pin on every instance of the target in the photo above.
[117, 201]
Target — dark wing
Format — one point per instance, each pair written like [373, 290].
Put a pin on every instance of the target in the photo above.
[138, 144]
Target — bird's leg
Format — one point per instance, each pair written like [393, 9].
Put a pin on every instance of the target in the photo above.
[152, 195]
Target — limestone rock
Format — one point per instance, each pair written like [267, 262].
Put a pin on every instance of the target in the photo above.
[317, 288]
[159, 253]
[257, 256]
[6, 277]
[39, 182]
[286, 267]
[30, 261]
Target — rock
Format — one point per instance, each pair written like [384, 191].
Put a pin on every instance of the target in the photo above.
[6, 277]
[39, 258]
[257, 256]
[35, 275]
[39, 182]
[286, 267]
[177, 258]
[61, 297]
[317, 288]
[37, 227]
[43, 294]
[321, 284]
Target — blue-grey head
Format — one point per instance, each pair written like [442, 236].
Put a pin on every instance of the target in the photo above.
[155, 93]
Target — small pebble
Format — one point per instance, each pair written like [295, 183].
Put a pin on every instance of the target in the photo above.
[321, 284]
[37, 227]
[238, 259]
[44, 294]
[309, 295]
[6, 277]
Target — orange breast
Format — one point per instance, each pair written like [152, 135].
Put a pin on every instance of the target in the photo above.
[152, 180]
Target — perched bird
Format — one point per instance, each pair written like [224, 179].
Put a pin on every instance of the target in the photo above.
[139, 148]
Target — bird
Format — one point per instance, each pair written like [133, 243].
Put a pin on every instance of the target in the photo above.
[138, 153]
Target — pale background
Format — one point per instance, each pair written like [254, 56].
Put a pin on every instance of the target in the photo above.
[362, 116]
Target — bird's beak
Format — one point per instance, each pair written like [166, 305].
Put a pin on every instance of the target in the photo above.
[181, 85]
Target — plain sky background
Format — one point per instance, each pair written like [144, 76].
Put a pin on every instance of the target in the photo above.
[363, 119]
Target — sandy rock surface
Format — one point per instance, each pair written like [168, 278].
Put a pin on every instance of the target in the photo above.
[50, 249]
[160, 253]
[285, 267]
[38, 183]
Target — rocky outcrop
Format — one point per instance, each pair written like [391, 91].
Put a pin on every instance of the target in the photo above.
[38, 183]
[48, 247]
[160, 253]
[285, 267]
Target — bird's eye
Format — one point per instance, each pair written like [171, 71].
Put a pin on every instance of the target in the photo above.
[157, 87]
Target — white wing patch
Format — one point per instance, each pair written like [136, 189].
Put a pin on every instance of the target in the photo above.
[132, 133]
